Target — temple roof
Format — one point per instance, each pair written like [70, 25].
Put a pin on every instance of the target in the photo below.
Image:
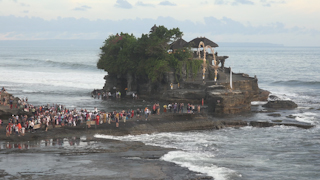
[195, 42]
[178, 44]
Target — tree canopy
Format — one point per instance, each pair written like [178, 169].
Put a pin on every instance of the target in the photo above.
[145, 56]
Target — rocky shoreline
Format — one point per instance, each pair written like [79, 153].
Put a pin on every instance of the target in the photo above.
[168, 122]
[127, 160]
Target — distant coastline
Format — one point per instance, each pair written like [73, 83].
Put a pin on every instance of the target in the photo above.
[98, 43]
[249, 44]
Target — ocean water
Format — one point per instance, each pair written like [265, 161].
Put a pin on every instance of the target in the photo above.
[66, 74]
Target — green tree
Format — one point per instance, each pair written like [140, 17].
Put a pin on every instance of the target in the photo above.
[146, 56]
[116, 54]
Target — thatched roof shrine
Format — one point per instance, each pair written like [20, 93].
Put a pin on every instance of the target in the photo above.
[195, 42]
[178, 44]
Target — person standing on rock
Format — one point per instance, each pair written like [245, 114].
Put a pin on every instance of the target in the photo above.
[105, 115]
[110, 116]
[4, 100]
[117, 120]
[146, 112]
[158, 108]
[32, 125]
[165, 108]
[181, 107]
[97, 119]
[138, 113]
[23, 130]
[19, 128]
[8, 130]
[132, 114]
[170, 107]
[11, 103]
[154, 109]
[10, 127]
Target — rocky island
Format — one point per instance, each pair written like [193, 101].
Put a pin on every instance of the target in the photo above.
[162, 66]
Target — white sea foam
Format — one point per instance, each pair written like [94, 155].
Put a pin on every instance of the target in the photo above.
[199, 163]
[282, 96]
[87, 80]
[307, 117]
[257, 103]
[193, 156]
[31, 91]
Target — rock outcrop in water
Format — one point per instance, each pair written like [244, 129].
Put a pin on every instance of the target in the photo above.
[187, 72]
[218, 95]
[281, 104]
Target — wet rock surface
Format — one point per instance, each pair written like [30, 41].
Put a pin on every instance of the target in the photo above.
[275, 115]
[281, 104]
[74, 153]
[90, 158]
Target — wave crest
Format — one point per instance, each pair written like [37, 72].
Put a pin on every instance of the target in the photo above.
[51, 63]
[298, 83]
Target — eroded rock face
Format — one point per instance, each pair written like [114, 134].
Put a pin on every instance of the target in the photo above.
[217, 95]
[281, 104]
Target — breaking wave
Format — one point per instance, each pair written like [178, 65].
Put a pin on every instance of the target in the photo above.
[298, 83]
[52, 63]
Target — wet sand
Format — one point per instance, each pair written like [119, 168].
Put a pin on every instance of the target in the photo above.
[73, 153]
[90, 159]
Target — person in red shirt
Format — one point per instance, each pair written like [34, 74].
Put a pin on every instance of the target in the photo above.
[97, 119]
[19, 128]
[132, 113]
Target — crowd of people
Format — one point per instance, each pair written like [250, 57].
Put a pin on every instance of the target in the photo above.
[58, 115]
[97, 94]
[5, 98]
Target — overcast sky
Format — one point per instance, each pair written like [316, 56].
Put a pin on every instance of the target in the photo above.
[287, 22]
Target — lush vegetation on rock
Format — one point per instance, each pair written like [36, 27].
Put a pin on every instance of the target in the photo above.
[145, 56]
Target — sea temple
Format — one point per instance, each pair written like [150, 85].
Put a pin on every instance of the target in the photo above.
[200, 76]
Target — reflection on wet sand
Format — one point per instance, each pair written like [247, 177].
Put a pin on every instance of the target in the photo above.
[55, 142]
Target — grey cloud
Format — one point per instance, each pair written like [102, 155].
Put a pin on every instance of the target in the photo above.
[268, 3]
[244, 2]
[99, 29]
[21, 4]
[139, 3]
[123, 4]
[24, 5]
[220, 2]
[82, 8]
[26, 11]
[234, 2]
[204, 2]
[166, 3]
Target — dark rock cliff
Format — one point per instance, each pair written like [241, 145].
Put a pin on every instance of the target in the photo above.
[188, 88]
